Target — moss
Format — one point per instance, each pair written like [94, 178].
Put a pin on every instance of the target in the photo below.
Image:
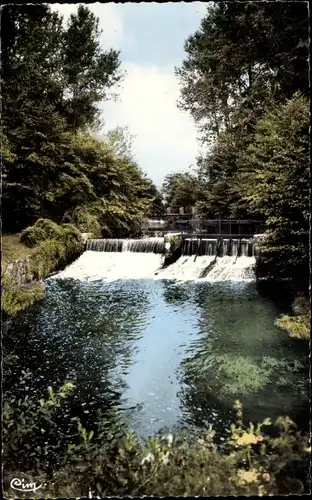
[298, 325]
[16, 297]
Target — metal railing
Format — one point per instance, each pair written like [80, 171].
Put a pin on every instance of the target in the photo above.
[212, 227]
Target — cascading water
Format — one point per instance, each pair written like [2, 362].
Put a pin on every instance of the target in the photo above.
[202, 259]
[218, 247]
[117, 259]
[142, 245]
[212, 260]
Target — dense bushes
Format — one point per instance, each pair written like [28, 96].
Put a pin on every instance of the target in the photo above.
[43, 229]
[56, 245]
[299, 324]
[86, 221]
[52, 246]
[15, 297]
[274, 182]
[249, 462]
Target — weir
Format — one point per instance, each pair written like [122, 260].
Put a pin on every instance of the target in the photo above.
[144, 245]
[220, 247]
[200, 259]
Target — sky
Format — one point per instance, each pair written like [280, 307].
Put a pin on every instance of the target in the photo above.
[150, 37]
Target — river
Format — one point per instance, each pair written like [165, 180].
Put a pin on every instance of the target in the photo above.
[156, 354]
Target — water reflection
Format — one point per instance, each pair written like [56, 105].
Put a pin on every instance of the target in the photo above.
[240, 355]
[153, 354]
[80, 332]
[174, 293]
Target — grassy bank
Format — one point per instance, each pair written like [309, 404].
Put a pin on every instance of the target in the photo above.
[13, 249]
[48, 247]
[298, 324]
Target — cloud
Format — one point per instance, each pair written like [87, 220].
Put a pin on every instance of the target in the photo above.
[111, 22]
[165, 136]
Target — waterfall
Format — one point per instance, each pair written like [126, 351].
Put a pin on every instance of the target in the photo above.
[222, 248]
[155, 245]
[113, 266]
[212, 260]
[202, 260]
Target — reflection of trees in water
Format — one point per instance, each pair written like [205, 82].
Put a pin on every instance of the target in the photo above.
[239, 355]
[175, 294]
[83, 332]
[280, 293]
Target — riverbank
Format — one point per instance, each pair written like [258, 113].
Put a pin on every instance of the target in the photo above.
[299, 323]
[135, 355]
[29, 257]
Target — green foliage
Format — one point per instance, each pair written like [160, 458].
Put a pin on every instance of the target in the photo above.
[52, 246]
[53, 164]
[51, 253]
[85, 221]
[43, 229]
[243, 57]
[181, 189]
[30, 428]
[13, 249]
[297, 326]
[120, 195]
[245, 82]
[274, 181]
[240, 375]
[119, 142]
[15, 297]
[89, 72]
[250, 462]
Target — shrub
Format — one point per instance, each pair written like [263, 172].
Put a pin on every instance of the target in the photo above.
[43, 229]
[55, 246]
[249, 462]
[53, 253]
[174, 240]
[15, 297]
[298, 325]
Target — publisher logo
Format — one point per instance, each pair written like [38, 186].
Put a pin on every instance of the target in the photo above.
[22, 485]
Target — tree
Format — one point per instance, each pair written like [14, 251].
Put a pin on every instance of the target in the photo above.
[88, 72]
[110, 192]
[274, 181]
[120, 141]
[244, 57]
[43, 81]
[181, 189]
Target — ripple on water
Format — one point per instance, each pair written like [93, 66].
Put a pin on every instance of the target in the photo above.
[179, 354]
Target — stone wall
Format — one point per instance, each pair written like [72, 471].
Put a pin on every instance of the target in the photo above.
[19, 271]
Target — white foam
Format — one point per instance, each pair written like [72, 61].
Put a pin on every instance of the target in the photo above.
[232, 268]
[112, 266]
[186, 268]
